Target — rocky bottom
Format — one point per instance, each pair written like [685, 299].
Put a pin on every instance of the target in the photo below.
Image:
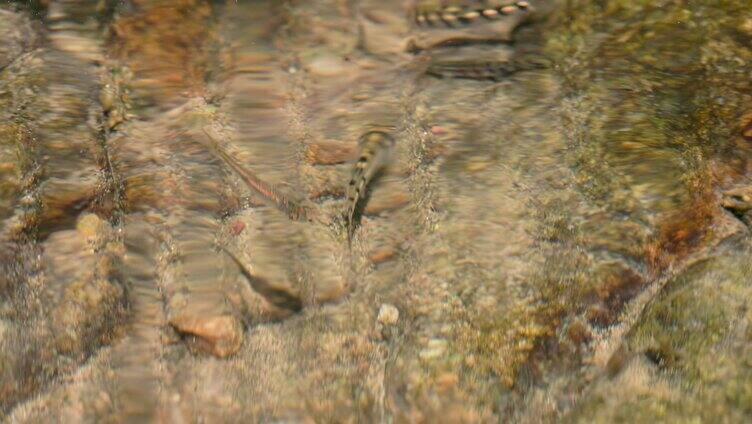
[548, 220]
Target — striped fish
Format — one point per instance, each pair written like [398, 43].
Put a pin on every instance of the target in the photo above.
[492, 70]
[375, 149]
[270, 194]
[431, 15]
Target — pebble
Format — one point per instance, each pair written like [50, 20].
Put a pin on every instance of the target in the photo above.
[107, 97]
[388, 314]
[219, 335]
[237, 227]
[387, 198]
[438, 130]
[381, 254]
[90, 226]
[327, 66]
[330, 152]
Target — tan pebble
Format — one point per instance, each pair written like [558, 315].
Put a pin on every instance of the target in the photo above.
[380, 255]
[90, 225]
[471, 15]
[327, 66]
[470, 361]
[523, 4]
[508, 10]
[421, 19]
[107, 97]
[746, 26]
[395, 199]
[490, 13]
[219, 335]
[388, 314]
[476, 166]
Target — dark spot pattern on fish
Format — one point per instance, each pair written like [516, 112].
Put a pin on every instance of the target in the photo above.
[483, 70]
[375, 148]
[452, 15]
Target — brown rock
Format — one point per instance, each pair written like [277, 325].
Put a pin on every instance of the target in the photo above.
[329, 152]
[219, 335]
[387, 198]
[438, 130]
[381, 254]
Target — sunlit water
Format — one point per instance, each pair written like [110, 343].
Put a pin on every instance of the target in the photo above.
[556, 164]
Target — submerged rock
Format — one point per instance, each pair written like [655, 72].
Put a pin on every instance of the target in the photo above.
[220, 335]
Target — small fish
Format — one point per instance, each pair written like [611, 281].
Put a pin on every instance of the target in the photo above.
[428, 14]
[268, 192]
[493, 70]
[375, 149]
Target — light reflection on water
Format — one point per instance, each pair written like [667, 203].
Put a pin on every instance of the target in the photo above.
[553, 160]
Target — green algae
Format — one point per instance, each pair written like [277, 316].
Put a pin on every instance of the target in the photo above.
[690, 351]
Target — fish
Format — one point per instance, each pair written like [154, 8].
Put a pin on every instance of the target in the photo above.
[492, 70]
[429, 14]
[375, 150]
[269, 193]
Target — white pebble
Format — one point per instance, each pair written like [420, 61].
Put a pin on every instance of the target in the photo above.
[388, 314]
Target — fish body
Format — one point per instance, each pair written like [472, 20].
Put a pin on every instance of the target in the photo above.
[430, 14]
[375, 149]
[492, 70]
[268, 192]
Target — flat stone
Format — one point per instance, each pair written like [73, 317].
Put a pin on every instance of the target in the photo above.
[330, 152]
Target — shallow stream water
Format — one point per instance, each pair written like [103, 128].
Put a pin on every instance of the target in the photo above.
[560, 231]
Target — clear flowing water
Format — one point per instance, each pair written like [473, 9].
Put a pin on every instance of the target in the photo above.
[559, 231]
